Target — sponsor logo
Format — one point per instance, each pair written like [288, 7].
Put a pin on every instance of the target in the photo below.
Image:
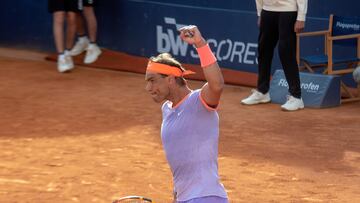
[169, 41]
[308, 87]
[353, 26]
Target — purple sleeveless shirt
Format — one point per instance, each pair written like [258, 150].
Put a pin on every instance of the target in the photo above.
[190, 135]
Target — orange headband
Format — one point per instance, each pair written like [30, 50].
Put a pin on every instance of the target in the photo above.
[167, 70]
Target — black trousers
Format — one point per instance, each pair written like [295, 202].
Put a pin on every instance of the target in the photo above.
[278, 27]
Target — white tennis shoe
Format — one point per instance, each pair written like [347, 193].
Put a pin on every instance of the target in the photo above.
[80, 46]
[64, 63]
[293, 104]
[92, 53]
[256, 98]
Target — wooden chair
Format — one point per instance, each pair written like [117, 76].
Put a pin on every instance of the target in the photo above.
[343, 31]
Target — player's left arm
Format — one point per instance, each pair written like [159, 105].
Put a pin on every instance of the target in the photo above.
[212, 90]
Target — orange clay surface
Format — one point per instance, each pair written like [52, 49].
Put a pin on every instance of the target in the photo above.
[93, 135]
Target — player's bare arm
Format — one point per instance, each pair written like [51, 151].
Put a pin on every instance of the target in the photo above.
[212, 90]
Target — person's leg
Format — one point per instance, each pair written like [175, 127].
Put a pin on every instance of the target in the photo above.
[91, 22]
[58, 9]
[75, 25]
[80, 27]
[58, 30]
[71, 7]
[82, 41]
[268, 38]
[70, 29]
[92, 51]
[287, 52]
[63, 64]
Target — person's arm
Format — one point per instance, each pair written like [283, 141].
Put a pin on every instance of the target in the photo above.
[301, 15]
[212, 90]
[259, 5]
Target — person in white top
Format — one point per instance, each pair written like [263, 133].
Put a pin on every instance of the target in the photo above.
[279, 21]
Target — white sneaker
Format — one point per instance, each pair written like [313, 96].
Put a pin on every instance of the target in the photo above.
[256, 98]
[65, 63]
[92, 53]
[293, 104]
[80, 46]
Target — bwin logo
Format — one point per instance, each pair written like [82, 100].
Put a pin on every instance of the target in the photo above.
[169, 41]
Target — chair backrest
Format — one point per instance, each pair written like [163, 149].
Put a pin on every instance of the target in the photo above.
[341, 25]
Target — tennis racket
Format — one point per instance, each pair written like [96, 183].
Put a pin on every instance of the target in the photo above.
[133, 199]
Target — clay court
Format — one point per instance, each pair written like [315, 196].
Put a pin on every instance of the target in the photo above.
[93, 135]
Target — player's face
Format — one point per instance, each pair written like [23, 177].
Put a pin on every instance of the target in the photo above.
[158, 86]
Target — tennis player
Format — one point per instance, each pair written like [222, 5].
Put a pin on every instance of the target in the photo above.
[190, 126]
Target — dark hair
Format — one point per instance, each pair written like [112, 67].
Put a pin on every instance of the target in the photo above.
[166, 58]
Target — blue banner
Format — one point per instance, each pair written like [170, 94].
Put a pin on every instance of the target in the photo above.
[146, 28]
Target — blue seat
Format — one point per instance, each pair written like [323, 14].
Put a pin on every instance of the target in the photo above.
[342, 32]
[323, 59]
